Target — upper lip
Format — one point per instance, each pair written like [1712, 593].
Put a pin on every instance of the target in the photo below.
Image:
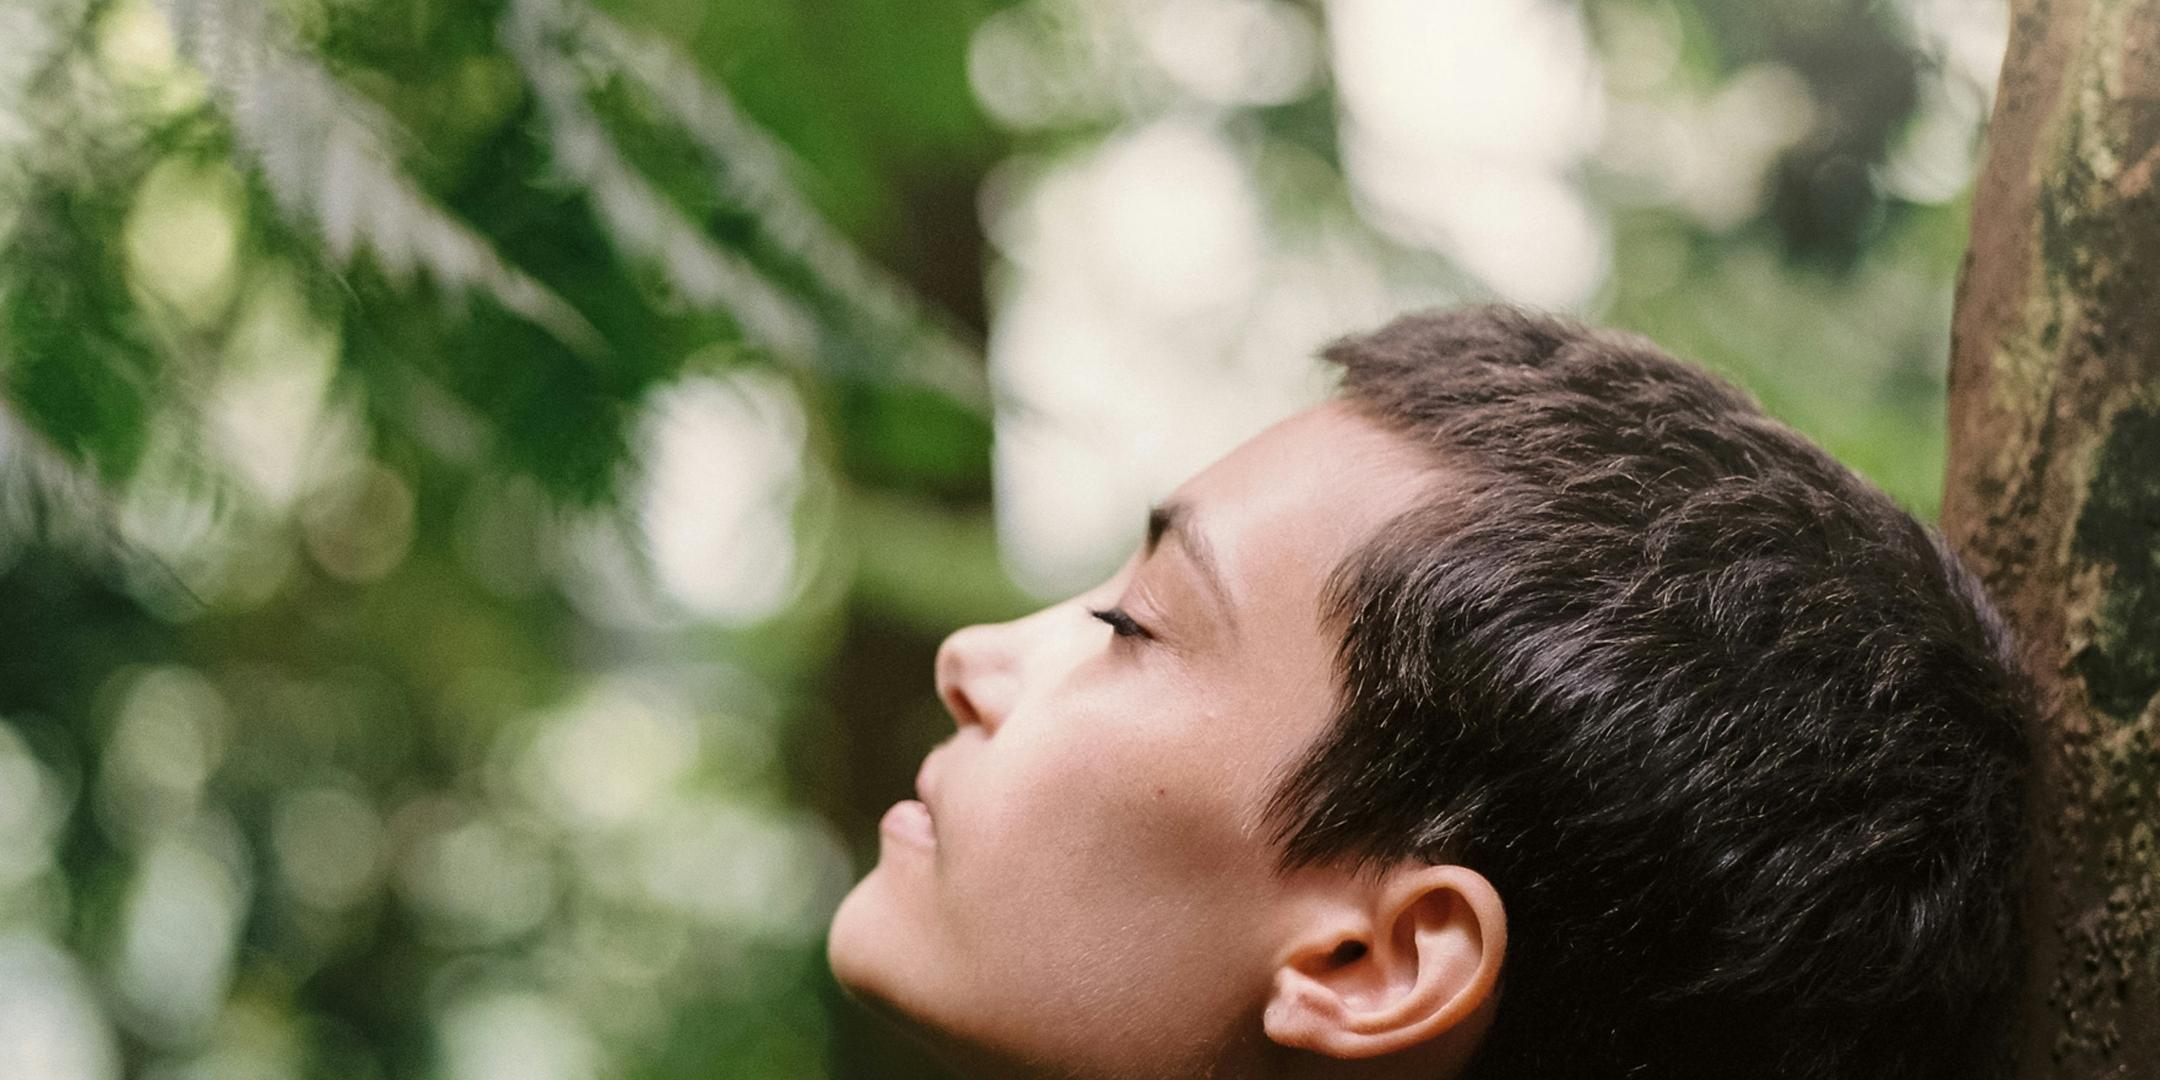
[926, 782]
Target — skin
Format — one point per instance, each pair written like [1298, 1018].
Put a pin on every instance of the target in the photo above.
[1086, 888]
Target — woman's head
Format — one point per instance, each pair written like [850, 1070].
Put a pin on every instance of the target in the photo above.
[1097, 890]
[1537, 662]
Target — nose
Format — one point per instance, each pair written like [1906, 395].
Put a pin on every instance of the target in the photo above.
[977, 675]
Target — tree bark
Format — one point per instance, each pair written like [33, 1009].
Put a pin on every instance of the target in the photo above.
[2053, 498]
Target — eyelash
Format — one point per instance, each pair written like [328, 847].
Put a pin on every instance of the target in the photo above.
[1121, 624]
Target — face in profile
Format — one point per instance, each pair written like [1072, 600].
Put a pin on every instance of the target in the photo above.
[1086, 886]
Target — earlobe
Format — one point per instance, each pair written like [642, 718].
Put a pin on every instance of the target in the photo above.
[1413, 961]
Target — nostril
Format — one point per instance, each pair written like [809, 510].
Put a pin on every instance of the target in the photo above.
[952, 670]
[975, 674]
[960, 705]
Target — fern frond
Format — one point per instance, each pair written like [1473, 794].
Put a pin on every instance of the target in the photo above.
[751, 169]
[50, 501]
[328, 157]
[42, 493]
[637, 215]
[563, 46]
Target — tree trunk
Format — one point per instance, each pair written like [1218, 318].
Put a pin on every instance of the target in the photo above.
[2053, 497]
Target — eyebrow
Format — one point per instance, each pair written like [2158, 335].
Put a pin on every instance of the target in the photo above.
[1174, 517]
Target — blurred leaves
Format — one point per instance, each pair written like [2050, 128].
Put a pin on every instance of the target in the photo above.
[391, 392]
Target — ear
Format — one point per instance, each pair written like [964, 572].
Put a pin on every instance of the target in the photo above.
[1409, 961]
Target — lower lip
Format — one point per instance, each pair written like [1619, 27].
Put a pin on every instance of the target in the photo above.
[909, 822]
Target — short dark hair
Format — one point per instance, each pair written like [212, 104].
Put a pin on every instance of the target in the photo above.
[1737, 740]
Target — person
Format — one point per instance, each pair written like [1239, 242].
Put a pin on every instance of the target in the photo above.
[1537, 707]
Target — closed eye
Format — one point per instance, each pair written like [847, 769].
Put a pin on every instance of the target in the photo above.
[1120, 623]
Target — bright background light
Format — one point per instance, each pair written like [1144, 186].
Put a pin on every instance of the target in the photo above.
[1165, 275]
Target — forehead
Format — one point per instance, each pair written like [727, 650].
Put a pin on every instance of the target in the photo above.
[1290, 504]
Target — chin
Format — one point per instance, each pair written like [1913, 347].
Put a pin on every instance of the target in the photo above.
[851, 942]
[867, 949]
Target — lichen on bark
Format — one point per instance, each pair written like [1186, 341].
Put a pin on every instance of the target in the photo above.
[2116, 533]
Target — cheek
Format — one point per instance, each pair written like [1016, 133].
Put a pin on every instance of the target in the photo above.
[1094, 885]
[1096, 888]
[1119, 815]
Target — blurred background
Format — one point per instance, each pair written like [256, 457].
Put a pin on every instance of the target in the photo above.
[482, 481]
